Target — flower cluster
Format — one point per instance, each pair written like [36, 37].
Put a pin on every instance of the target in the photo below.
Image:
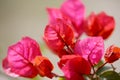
[79, 59]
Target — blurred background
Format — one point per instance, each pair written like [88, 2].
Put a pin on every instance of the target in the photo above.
[19, 18]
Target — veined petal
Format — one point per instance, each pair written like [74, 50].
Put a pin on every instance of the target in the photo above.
[75, 11]
[20, 58]
[58, 35]
[91, 48]
[7, 68]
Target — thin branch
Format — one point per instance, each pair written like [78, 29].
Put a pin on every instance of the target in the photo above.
[101, 66]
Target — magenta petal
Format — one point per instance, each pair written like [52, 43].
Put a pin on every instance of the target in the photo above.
[20, 58]
[92, 48]
[75, 11]
[6, 67]
[53, 14]
[27, 48]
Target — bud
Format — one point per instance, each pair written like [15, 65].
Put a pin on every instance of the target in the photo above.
[112, 54]
[44, 66]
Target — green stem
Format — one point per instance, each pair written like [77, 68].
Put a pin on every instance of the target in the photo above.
[101, 66]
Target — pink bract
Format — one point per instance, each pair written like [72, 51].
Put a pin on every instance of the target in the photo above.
[91, 49]
[54, 14]
[75, 11]
[74, 67]
[19, 60]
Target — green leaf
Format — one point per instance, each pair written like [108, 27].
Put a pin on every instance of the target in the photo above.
[99, 64]
[61, 78]
[110, 75]
[105, 68]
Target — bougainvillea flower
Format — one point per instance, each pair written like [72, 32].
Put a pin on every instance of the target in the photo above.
[75, 11]
[20, 58]
[58, 35]
[112, 54]
[74, 67]
[99, 25]
[91, 49]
